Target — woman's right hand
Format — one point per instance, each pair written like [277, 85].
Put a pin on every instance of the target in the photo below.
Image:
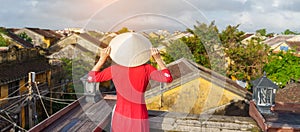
[104, 53]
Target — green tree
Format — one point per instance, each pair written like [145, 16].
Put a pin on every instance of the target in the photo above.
[203, 47]
[211, 41]
[3, 30]
[3, 42]
[262, 32]
[231, 37]
[283, 68]
[175, 50]
[188, 47]
[289, 32]
[156, 41]
[245, 61]
[67, 68]
[25, 37]
[123, 30]
[74, 69]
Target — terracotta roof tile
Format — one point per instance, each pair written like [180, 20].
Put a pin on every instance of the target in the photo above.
[289, 94]
[92, 40]
[294, 45]
[16, 70]
[19, 40]
[46, 32]
[277, 39]
[247, 35]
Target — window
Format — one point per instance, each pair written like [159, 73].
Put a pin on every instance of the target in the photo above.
[284, 48]
[12, 88]
[265, 96]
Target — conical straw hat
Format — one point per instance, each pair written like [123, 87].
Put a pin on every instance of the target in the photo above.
[130, 49]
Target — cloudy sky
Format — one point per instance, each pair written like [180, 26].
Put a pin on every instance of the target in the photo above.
[142, 15]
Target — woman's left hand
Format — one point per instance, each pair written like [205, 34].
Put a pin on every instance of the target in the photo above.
[155, 53]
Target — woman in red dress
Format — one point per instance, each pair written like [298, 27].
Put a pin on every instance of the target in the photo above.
[130, 113]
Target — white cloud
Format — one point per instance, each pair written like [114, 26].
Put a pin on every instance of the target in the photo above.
[242, 1]
[34, 3]
[274, 15]
[244, 18]
[276, 3]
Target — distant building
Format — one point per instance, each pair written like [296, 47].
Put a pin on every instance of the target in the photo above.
[278, 43]
[154, 35]
[41, 37]
[178, 35]
[294, 44]
[17, 41]
[107, 38]
[247, 37]
[85, 44]
[74, 30]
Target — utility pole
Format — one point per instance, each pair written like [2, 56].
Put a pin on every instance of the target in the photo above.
[161, 86]
[31, 106]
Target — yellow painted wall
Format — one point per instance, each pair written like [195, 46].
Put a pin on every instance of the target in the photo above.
[47, 42]
[193, 97]
[23, 118]
[4, 93]
[41, 78]
[49, 77]
[153, 35]
[18, 45]
[22, 86]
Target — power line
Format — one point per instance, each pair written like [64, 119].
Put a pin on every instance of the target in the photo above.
[8, 107]
[20, 86]
[57, 101]
[15, 90]
[58, 86]
[13, 123]
[63, 84]
[13, 97]
[8, 115]
[37, 89]
[110, 92]
[68, 93]
[25, 99]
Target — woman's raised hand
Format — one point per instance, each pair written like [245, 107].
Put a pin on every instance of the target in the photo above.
[156, 55]
[104, 53]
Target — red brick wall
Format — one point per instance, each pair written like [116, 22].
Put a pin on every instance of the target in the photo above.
[254, 113]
